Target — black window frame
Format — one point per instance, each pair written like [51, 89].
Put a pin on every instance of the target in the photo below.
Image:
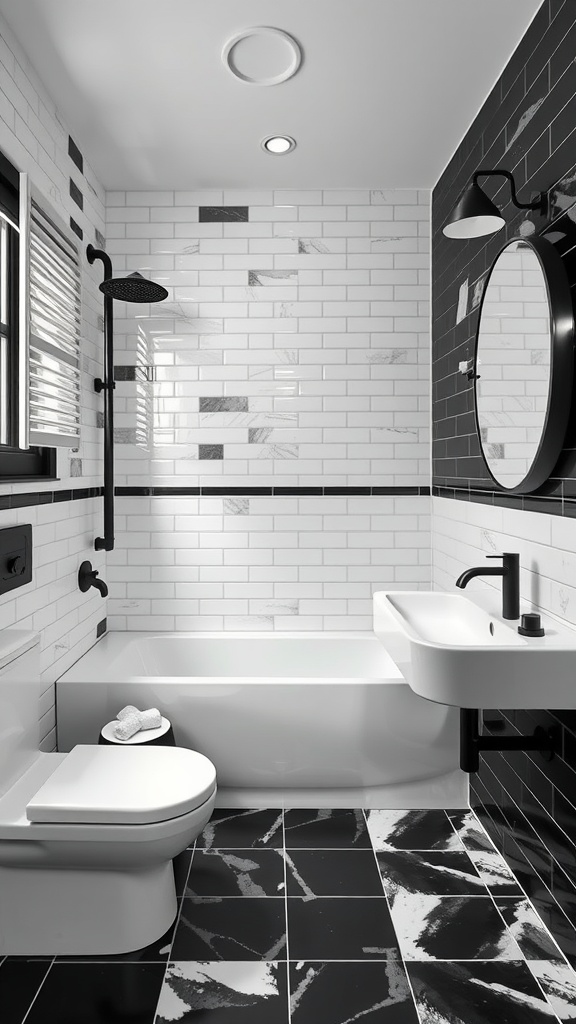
[16, 463]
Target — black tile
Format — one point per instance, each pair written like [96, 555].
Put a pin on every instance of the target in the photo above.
[76, 228]
[242, 829]
[210, 451]
[479, 993]
[411, 830]
[332, 873]
[439, 872]
[209, 214]
[98, 993]
[247, 992]
[76, 194]
[236, 873]
[330, 993]
[19, 983]
[231, 929]
[75, 154]
[325, 829]
[341, 929]
[451, 928]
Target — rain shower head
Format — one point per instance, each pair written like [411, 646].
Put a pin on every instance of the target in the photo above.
[133, 288]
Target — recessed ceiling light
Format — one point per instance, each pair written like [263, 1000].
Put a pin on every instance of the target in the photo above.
[278, 144]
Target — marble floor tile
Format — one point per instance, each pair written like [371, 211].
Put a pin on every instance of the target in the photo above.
[332, 873]
[325, 829]
[241, 829]
[243, 992]
[231, 929]
[525, 925]
[341, 929]
[494, 872]
[469, 830]
[438, 872]
[19, 982]
[236, 873]
[338, 993]
[558, 982]
[451, 928]
[98, 994]
[478, 993]
[411, 830]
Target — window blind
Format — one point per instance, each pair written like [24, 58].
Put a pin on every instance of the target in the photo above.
[54, 318]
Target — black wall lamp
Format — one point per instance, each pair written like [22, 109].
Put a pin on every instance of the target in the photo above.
[475, 214]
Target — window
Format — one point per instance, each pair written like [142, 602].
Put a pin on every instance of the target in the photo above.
[17, 460]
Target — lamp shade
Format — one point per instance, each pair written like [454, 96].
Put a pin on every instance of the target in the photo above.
[474, 215]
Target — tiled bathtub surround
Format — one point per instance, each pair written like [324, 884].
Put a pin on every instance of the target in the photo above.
[284, 563]
[34, 138]
[294, 345]
[292, 352]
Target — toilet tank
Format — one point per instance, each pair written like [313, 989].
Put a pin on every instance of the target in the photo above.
[20, 690]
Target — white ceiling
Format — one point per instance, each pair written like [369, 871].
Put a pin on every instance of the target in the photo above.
[385, 92]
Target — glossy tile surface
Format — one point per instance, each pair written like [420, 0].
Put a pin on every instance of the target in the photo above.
[98, 993]
[341, 929]
[451, 928]
[224, 993]
[242, 829]
[329, 993]
[478, 993]
[236, 873]
[411, 830]
[326, 829]
[231, 929]
[439, 872]
[332, 873]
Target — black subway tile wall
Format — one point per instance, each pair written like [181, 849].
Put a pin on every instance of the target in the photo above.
[528, 126]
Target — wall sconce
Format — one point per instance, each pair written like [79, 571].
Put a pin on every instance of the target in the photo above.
[475, 214]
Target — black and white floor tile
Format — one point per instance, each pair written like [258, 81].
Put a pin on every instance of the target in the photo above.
[322, 917]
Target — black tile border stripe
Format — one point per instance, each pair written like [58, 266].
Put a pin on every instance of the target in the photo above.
[551, 505]
[270, 492]
[8, 501]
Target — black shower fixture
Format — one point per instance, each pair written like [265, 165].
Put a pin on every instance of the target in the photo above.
[475, 214]
[133, 288]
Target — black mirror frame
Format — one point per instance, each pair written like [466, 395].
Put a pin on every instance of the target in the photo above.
[561, 365]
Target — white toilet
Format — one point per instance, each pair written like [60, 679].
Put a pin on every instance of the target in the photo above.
[87, 838]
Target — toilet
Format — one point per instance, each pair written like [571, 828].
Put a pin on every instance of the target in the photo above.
[87, 838]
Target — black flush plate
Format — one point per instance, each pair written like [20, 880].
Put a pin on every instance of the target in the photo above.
[15, 557]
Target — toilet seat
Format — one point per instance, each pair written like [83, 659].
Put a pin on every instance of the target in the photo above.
[120, 786]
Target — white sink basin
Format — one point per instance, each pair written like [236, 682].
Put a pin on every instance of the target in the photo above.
[456, 650]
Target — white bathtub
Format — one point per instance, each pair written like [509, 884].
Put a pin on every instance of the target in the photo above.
[293, 718]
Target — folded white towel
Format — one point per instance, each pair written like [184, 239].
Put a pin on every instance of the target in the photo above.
[128, 727]
[128, 710]
[151, 719]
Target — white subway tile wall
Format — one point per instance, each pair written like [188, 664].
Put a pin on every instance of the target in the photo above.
[259, 563]
[463, 533]
[292, 351]
[34, 138]
[293, 348]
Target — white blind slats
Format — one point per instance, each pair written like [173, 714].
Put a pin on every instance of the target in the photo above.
[54, 334]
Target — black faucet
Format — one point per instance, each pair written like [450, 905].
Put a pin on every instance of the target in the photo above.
[510, 573]
[87, 577]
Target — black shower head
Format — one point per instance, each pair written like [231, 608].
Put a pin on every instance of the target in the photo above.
[133, 288]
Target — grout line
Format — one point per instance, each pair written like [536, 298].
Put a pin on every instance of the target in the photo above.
[409, 982]
[288, 991]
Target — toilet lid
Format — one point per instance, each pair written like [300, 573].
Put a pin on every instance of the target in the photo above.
[123, 785]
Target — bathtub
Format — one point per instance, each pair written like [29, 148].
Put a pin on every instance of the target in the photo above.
[292, 719]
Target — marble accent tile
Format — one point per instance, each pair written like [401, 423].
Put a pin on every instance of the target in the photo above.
[451, 928]
[478, 993]
[326, 829]
[437, 872]
[241, 992]
[525, 925]
[231, 929]
[271, 277]
[242, 829]
[99, 993]
[258, 435]
[236, 506]
[125, 435]
[558, 982]
[210, 451]
[223, 405]
[236, 873]
[226, 214]
[330, 993]
[311, 246]
[411, 830]
[341, 929]
[489, 863]
[312, 873]
[75, 467]
[469, 830]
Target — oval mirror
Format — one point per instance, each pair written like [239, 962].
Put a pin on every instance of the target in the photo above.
[524, 364]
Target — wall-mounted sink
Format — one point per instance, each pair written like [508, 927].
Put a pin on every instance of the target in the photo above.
[458, 651]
